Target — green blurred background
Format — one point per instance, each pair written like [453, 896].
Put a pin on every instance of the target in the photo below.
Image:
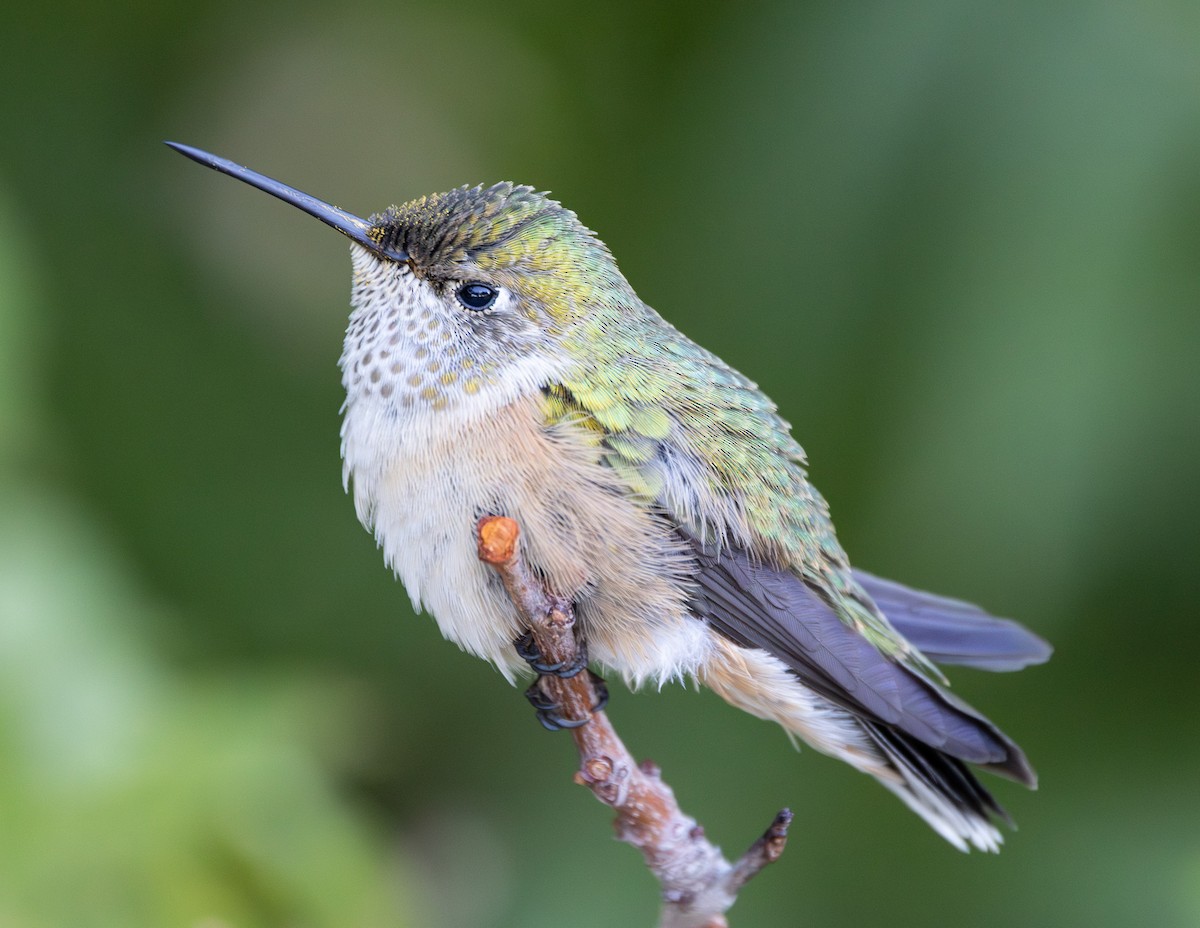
[956, 242]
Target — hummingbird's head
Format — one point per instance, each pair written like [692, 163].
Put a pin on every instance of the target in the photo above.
[493, 280]
[464, 299]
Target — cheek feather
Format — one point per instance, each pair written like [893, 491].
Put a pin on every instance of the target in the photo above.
[412, 341]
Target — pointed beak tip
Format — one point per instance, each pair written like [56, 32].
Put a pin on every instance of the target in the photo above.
[356, 229]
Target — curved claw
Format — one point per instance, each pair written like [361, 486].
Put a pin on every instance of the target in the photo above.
[547, 710]
[553, 722]
[538, 699]
[526, 647]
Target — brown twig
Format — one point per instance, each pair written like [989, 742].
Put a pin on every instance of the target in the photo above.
[698, 883]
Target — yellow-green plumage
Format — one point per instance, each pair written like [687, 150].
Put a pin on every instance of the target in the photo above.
[658, 396]
[497, 362]
[712, 482]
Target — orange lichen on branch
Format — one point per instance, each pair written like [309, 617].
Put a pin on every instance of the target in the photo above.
[698, 883]
[497, 539]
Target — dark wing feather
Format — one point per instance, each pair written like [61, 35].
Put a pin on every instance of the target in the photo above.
[761, 606]
[950, 631]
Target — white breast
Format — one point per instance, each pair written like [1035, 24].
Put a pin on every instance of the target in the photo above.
[421, 484]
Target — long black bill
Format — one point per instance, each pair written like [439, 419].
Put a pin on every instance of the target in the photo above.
[355, 229]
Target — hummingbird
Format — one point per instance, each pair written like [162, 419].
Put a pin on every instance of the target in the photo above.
[497, 362]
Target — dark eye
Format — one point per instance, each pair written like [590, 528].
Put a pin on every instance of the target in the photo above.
[476, 296]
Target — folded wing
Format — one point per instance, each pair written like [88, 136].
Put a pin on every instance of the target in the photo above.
[761, 606]
[950, 631]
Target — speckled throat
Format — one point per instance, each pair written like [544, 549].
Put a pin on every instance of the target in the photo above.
[409, 344]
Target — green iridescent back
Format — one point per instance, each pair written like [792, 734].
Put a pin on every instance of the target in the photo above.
[692, 436]
[686, 433]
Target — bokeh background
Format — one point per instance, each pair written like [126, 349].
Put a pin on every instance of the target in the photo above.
[956, 242]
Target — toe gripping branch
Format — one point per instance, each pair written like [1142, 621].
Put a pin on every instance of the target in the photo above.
[698, 883]
[562, 696]
[549, 710]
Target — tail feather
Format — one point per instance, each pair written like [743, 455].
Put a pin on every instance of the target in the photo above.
[940, 789]
[936, 785]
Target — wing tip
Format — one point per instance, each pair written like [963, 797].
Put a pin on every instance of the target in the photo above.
[953, 631]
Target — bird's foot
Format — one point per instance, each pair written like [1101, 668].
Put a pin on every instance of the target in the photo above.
[527, 647]
[549, 713]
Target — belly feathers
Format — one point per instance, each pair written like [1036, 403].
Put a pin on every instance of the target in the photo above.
[581, 530]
